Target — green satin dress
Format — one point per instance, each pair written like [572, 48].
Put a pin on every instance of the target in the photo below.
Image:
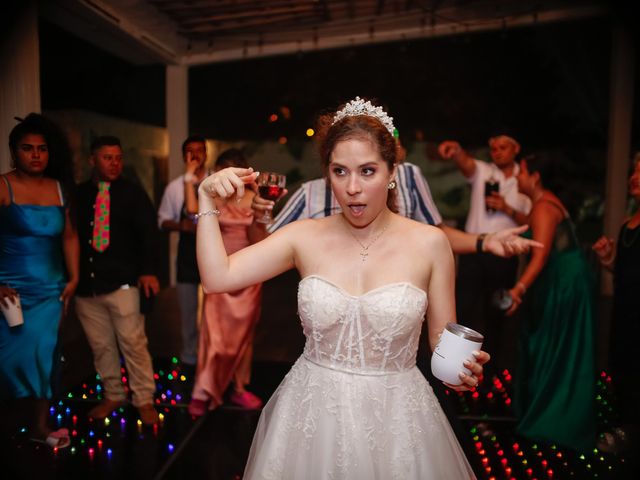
[555, 385]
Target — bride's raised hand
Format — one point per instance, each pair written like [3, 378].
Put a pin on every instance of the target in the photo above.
[227, 182]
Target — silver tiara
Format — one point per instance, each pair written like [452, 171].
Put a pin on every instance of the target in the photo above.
[360, 107]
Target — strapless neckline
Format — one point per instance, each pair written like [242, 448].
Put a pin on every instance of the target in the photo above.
[368, 292]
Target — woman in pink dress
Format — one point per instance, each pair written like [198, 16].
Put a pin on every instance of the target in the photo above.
[228, 319]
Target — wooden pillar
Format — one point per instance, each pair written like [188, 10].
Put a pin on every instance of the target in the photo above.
[19, 75]
[177, 100]
[618, 150]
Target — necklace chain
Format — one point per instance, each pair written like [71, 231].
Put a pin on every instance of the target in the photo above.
[365, 248]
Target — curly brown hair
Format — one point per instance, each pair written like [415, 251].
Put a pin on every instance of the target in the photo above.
[358, 127]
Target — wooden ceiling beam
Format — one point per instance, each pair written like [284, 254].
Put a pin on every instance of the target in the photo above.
[249, 14]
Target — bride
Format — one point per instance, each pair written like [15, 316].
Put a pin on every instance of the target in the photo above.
[354, 405]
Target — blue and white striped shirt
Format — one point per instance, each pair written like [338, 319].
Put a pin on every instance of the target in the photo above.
[314, 199]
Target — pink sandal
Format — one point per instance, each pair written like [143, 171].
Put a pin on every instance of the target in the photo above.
[197, 407]
[246, 399]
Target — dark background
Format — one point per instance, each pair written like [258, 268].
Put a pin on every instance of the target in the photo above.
[546, 85]
[549, 85]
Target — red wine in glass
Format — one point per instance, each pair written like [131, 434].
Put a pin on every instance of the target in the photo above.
[270, 187]
[270, 192]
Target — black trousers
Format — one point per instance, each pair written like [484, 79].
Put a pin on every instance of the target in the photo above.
[480, 275]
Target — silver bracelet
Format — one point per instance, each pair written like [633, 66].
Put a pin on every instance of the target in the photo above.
[215, 211]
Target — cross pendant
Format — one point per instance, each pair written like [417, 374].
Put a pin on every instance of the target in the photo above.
[364, 254]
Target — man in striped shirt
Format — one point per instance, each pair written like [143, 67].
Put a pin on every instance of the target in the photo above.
[314, 199]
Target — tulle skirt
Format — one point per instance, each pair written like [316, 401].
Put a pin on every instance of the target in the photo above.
[327, 424]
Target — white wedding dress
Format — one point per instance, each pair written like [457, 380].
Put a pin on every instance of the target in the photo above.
[354, 406]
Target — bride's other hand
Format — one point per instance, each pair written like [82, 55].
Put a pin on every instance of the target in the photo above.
[470, 382]
[227, 182]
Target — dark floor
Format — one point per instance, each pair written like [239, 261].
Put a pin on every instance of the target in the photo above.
[216, 445]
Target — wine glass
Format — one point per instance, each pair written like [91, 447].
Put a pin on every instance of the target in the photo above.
[270, 186]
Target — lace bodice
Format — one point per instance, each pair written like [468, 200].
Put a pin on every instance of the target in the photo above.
[371, 334]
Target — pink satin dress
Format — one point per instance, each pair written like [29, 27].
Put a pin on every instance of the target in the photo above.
[228, 322]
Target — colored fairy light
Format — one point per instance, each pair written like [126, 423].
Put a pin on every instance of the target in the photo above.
[109, 452]
[91, 433]
[183, 378]
[69, 395]
[282, 140]
[273, 118]
[310, 132]
[52, 410]
[178, 397]
[170, 447]
[99, 443]
[139, 422]
[156, 376]
[174, 360]
[107, 421]
[161, 417]
[122, 421]
[170, 377]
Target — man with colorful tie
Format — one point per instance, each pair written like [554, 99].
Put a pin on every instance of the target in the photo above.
[118, 239]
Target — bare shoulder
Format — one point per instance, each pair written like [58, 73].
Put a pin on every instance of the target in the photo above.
[547, 211]
[427, 236]
[300, 228]
[4, 190]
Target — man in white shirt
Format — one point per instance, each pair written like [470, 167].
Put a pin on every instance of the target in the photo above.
[172, 216]
[496, 204]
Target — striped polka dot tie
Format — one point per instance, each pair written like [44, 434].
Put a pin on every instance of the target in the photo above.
[101, 217]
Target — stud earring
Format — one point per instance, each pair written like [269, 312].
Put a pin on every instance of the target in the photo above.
[391, 185]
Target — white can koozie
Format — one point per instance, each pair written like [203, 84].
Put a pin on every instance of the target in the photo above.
[455, 346]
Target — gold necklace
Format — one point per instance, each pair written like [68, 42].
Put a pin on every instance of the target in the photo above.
[365, 248]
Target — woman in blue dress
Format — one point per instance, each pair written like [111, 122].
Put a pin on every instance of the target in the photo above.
[38, 266]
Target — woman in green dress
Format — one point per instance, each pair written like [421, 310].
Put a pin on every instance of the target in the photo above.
[555, 388]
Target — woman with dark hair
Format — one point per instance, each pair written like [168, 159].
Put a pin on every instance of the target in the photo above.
[37, 241]
[555, 389]
[354, 405]
[225, 347]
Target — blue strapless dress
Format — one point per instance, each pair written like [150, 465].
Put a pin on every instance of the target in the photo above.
[31, 262]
